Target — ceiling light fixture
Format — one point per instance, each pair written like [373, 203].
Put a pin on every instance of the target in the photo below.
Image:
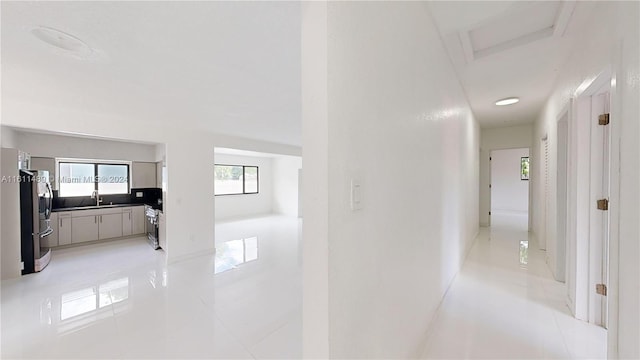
[507, 101]
[61, 40]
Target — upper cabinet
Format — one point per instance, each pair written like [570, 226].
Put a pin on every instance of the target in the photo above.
[159, 174]
[143, 175]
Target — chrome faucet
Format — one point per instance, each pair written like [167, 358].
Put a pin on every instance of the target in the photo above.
[95, 195]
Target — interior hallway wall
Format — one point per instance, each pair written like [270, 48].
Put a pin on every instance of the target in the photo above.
[238, 206]
[508, 137]
[285, 184]
[616, 45]
[383, 109]
[508, 191]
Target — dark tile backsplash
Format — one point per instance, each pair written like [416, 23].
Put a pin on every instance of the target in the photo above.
[150, 196]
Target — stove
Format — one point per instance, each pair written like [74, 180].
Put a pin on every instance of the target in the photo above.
[153, 235]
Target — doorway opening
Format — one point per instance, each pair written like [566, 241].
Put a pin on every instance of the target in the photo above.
[510, 188]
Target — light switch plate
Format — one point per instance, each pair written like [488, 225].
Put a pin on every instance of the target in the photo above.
[356, 195]
[139, 194]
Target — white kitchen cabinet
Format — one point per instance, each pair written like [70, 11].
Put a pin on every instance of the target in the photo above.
[84, 228]
[159, 174]
[139, 220]
[127, 222]
[143, 175]
[52, 239]
[109, 226]
[64, 228]
[79, 226]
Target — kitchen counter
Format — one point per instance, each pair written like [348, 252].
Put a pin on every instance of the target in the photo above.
[94, 207]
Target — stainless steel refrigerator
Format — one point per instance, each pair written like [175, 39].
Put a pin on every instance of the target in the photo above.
[36, 202]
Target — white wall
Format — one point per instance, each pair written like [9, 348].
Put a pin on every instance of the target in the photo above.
[381, 106]
[509, 137]
[315, 180]
[160, 153]
[285, 185]
[8, 137]
[10, 244]
[52, 146]
[508, 191]
[238, 206]
[617, 46]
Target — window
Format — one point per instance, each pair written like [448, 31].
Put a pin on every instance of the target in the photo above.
[524, 168]
[235, 179]
[83, 178]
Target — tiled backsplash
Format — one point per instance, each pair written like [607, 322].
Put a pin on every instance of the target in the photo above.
[150, 196]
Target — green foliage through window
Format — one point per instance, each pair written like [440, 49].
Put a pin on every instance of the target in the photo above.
[524, 168]
[235, 179]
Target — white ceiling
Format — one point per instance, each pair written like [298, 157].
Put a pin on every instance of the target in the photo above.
[227, 67]
[508, 48]
[234, 67]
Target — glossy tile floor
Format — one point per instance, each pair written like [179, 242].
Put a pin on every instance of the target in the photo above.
[505, 304]
[120, 300]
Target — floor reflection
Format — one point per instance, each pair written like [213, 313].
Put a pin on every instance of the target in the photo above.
[78, 308]
[231, 254]
[156, 280]
[90, 299]
[128, 302]
[524, 252]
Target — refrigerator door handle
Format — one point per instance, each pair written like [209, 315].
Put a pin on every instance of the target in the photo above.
[46, 232]
[49, 209]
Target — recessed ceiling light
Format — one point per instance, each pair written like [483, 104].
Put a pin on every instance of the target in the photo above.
[63, 41]
[507, 101]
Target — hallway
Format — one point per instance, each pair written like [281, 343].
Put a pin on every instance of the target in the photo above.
[521, 312]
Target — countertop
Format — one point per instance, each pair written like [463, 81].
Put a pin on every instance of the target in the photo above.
[95, 207]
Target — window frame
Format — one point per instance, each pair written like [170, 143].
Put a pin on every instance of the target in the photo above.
[95, 163]
[244, 185]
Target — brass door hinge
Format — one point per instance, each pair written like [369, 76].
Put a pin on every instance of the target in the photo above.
[603, 119]
[601, 289]
[603, 204]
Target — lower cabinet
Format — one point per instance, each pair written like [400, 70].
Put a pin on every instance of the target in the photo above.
[64, 229]
[139, 220]
[78, 226]
[84, 228]
[127, 222]
[110, 226]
